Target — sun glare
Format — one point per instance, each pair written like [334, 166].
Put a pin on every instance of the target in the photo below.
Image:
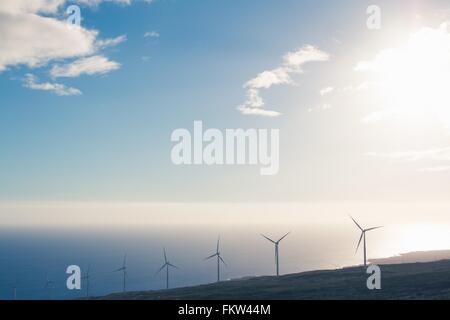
[423, 237]
[412, 80]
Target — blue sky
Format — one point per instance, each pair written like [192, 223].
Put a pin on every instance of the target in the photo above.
[112, 142]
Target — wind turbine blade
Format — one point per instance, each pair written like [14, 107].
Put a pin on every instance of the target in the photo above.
[223, 261]
[360, 239]
[173, 266]
[211, 256]
[284, 236]
[268, 238]
[357, 224]
[87, 276]
[48, 283]
[125, 261]
[160, 269]
[370, 229]
[165, 256]
[218, 243]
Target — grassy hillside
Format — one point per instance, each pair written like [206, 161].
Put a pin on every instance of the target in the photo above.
[429, 280]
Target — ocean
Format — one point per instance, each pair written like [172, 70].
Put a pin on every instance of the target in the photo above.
[30, 257]
[34, 255]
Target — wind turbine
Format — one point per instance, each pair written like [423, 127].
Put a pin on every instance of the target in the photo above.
[219, 259]
[48, 286]
[363, 236]
[87, 277]
[276, 243]
[166, 265]
[124, 270]
[14, 288]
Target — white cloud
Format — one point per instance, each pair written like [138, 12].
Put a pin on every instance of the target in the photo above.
[292, 63]
[30, 6]
[93, 3]
[266, 79]
[295, 59]
[31, 35]
[32, 82]
[365, 85]
[90, 66]
[110, 42]
[151, 34]
[434, 154]
[325, 91]
[28, 38]
[324, 106]
[377, 116]
[33, 40]
[437, 158]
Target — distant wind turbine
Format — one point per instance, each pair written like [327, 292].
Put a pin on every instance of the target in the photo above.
[87, 277]
[14, 288]
[276, 243]
[48, 286]
[124, 270]
[363, 236]
[219, 259]
[15, 292]
[166, 265]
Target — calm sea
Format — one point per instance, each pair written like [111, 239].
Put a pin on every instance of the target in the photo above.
[28, 257]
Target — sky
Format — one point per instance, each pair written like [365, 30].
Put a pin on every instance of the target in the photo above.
[86, 113]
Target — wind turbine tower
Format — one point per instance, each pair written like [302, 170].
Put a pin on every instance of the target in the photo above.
[277, 243]
[48, 287]
[363, 238]
[124, 270]
[87, 277]
[219, 259]
[166, 265]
